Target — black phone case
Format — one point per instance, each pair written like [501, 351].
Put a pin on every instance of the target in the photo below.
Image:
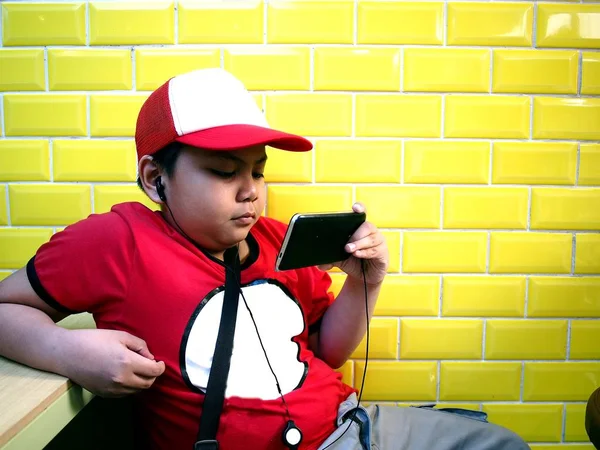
[314, 239]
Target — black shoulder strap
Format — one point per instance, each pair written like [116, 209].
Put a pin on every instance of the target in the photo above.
[217, 380]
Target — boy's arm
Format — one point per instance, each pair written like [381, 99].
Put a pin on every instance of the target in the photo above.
[106, 362]
[345, 321]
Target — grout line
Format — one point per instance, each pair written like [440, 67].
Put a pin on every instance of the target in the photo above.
[491, 70]
[577, 164]
[176, 21]
[401, 262]
[398, 336]
[569, 330]
[483, 339]
[573, 252]
[579, 72]
[402, 160]
[312, 69]
[314, 166]
[355, 29]
[133, 70]
[534, 28]
[490, 168]
[526, 306]
[488, 254]
[7, 197]
[529, 208]
[46, 70]
[92, 198]
[441, 296]
[51, 158]
[522, 379]
[353, 129]
[87, 24]
[564, 423]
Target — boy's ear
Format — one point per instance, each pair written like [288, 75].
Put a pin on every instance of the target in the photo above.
[149, 172]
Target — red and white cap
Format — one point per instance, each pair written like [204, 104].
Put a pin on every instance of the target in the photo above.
[209, 109]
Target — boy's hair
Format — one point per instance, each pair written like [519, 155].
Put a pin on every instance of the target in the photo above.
[165, 158]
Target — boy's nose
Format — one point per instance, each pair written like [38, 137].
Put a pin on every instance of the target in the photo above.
[248, 190]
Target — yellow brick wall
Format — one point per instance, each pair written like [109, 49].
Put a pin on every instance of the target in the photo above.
[470, 129]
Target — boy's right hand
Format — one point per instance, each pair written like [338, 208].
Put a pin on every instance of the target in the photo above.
[110, 363]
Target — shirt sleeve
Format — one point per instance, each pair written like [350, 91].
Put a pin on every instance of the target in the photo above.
[84, 267]
[321, 297]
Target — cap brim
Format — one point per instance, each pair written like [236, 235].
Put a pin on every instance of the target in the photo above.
[235, 137]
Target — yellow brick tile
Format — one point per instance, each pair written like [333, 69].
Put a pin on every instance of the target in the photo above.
[440, 339]
[285, 201]
[89, 69]
[530, 252]
[346, 371]
[43, 24]
[565, 209]
[270, 68]
[154, 66]
[392, 239]
[400, 22]
[45, 115]
[479, 23]
[48, 204]
[590, 78]
[483, 296]
[474, 207]
[398, 115]
[310, 22]
[409, 296]
[585, 335]
[383, 340]
[357, 68]
[575, 423]
[22, 70]
[413, 207]
[541, 423]
[562, 447]
[535, 71]
[534, 163]
[560, 381]
[288, 166]
[526, 339]
[572, 26]
[311, 115]
[18, 245]
[94, 160]
[340, 161]
[487, 117]
[105, 196]
[3, 206]
[114, 115]
[480, 381]
[211, 22]
[24, 160]
[4, 273]
[444, 252]
[587, 253]
[337, 281]
[130, 22]
[471, 406]
[589, 164]
[446, 162]
[566, 118]
[564, 297]
[396, 381]
[446, 70]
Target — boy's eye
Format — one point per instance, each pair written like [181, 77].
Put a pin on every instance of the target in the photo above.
[258, 175]
[222, 174]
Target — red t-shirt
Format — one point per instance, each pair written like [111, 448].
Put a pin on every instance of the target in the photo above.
[136, 273]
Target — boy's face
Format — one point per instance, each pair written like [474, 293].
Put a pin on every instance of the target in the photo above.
[216, 197]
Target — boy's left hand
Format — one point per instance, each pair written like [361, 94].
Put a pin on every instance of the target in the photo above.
[368, 244]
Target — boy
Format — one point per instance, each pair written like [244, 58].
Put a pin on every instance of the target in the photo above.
[154, 283]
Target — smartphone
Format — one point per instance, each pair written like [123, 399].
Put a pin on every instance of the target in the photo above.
[317, 238]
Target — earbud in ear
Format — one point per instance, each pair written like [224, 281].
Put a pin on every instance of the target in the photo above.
[160, 189]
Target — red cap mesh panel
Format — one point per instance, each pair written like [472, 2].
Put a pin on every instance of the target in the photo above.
[154, 128]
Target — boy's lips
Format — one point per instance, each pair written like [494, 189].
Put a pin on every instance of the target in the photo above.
[245, 219]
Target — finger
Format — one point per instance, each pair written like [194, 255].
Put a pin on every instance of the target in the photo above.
[372, 240]
[325, 267]
[367, 253]
[140, 382]
[136, 344]
[364, 230]
[146, 367]
[358, 207]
